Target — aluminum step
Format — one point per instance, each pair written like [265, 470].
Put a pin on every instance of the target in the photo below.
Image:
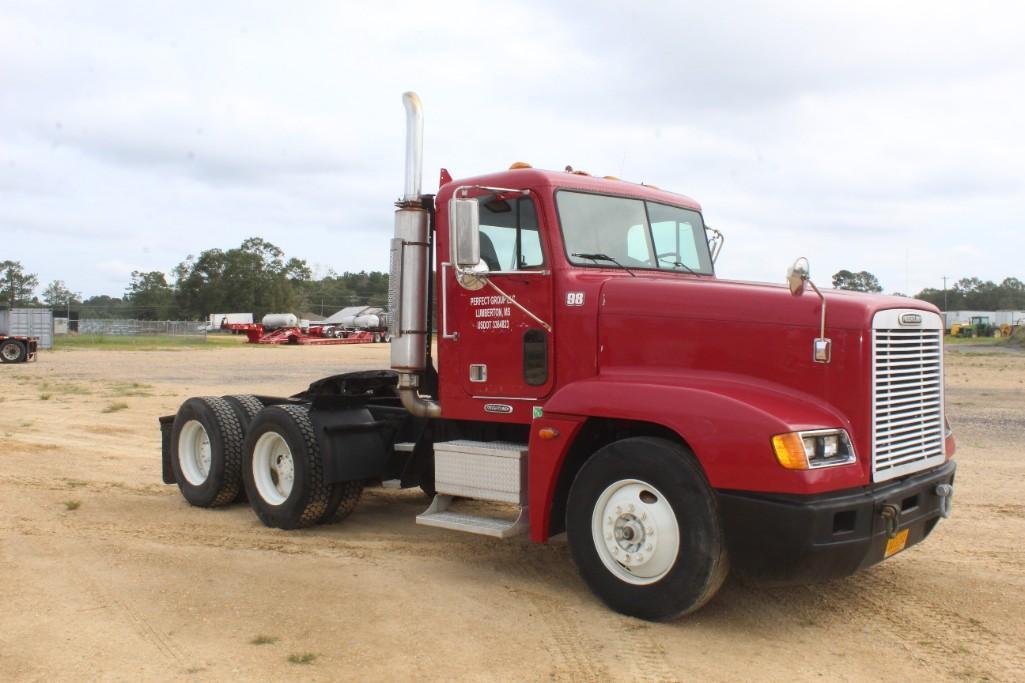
[404, 447]
[438, 515]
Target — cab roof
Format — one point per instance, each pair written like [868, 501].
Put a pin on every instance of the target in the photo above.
[538, 179]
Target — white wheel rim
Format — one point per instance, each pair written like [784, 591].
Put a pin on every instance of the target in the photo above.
[273, 468]
[194, 454]
[11, 351]
[635, 532]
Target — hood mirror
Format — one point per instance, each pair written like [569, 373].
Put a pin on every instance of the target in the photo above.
[797, 275]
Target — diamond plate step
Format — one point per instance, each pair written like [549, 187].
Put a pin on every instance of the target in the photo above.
[437, 515]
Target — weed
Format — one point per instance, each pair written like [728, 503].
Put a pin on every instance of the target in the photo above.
[44, 396]
[72, 504]
[114, 407]
[263, 640]
[130, 389]
[302, 658]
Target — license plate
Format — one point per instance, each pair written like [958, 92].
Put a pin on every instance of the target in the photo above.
[897, 543]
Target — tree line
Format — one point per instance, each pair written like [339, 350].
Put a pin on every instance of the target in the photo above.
[969, 293]
[257, 277]
[253, 277]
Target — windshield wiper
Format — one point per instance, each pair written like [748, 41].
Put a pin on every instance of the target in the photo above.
[677, 264]
[604, 257]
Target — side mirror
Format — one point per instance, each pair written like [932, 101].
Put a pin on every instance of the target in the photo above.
[464, 232]
[797, 275]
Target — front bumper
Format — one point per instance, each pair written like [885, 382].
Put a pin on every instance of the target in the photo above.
[786, 539]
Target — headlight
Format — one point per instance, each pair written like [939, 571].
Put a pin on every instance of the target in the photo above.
[813, 449]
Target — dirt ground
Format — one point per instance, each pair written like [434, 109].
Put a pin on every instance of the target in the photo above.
[105, 573]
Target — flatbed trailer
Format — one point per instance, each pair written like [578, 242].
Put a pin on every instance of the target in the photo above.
[256, 333]
[18, 349]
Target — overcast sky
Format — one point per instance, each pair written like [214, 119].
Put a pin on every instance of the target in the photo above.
[879, 136]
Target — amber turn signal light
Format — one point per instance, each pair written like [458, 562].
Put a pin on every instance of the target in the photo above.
[548, 433]
[789, 450]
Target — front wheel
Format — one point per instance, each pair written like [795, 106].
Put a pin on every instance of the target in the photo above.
[644, 530]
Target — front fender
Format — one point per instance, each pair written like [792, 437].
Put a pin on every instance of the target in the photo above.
[727, 420]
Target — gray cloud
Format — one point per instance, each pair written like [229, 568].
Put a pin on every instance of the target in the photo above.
[879, 136]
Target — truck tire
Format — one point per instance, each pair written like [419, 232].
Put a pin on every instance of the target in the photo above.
[246, 407]
[282, 468]
[344, 497]
[12, 351]
[644, 531]
[206, 452]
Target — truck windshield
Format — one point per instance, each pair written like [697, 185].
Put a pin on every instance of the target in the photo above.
[637, 233]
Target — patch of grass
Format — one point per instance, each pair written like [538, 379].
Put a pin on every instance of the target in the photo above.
[972, 341]
[45, 396]
[115, 342]
[65, 388]
[114, 407]
[302, 658]
[130, 389]
[74, 483]
[263, 640]
[72, 504]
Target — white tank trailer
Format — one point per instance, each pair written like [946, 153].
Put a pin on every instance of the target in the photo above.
[369, 318]
[276, 321]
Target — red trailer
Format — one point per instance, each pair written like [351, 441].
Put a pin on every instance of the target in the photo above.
[315, 335]
[748, 431]
[18, 349]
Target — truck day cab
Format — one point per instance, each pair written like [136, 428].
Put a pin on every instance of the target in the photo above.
[593, 374]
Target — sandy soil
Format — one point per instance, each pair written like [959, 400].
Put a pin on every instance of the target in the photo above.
[135, 584]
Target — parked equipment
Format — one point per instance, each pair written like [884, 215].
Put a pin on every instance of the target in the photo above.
[18, 349]
[751, 433]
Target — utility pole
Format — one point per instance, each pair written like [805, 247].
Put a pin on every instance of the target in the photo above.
[944, 293]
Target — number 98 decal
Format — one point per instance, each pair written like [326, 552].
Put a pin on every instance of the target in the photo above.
[574, 298]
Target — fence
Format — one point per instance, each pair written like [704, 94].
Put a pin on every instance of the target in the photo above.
[137, 328]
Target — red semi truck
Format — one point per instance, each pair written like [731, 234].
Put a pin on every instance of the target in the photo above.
[744, 430]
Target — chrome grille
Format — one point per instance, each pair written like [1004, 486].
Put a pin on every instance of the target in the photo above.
[907, 383]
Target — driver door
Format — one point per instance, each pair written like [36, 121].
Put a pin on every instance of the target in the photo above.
[504, 352]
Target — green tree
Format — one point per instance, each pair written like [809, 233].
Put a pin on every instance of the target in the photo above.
[862, 281]
[149, 296]
[57, 294]
[16, 286]
[103, 306]
[253, 277]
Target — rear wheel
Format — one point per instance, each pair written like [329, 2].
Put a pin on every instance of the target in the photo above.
[644, 530]
[282, 469]
[344, 497]
[246, 407]
[206, 452]
[12, 351]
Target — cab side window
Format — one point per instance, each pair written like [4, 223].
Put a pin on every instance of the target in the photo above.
[509, 236]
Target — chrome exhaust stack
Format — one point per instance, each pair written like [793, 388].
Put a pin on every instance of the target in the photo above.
[407, 284]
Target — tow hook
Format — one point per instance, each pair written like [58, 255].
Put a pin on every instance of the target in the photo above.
[945, 492]
[890, 513]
